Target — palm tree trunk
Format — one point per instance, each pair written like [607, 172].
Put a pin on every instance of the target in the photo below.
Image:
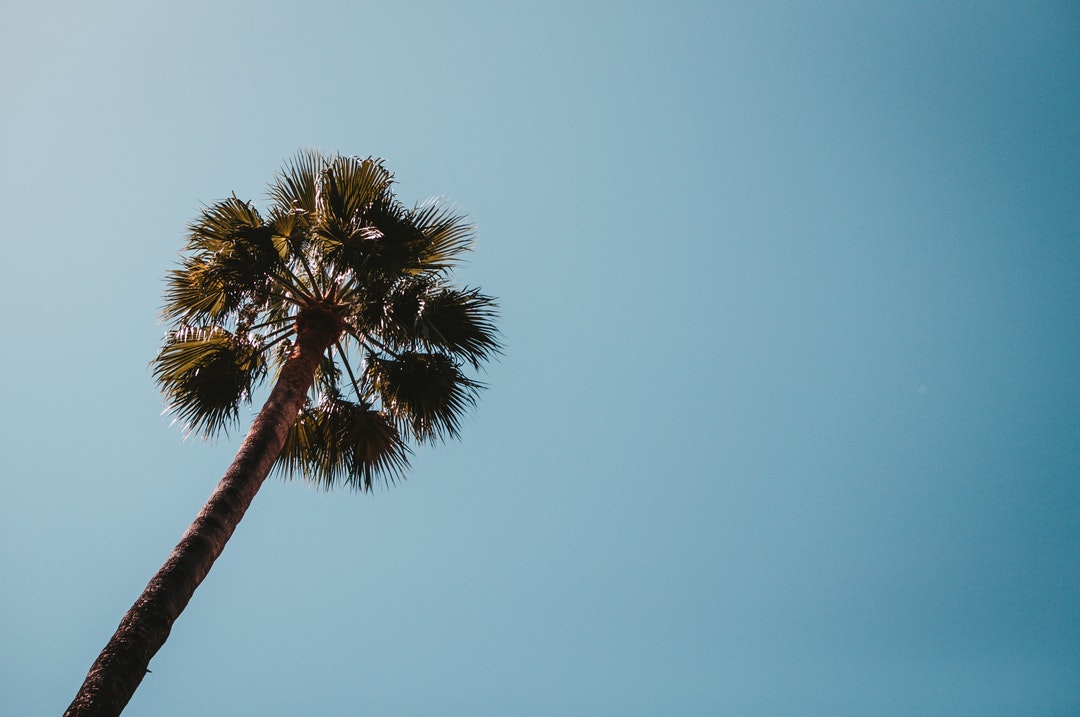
[120, 667]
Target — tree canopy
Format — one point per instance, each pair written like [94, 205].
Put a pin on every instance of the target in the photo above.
[334, 251]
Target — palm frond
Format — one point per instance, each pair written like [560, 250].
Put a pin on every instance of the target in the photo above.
[427, 393]
[350, 185]
[447, 231]
[328, 377]
[194, 295]
[238, 249]
[291, 233]
[433, 317]
[376, 243]
[220, 222]
[339, 442]
[205, 374]
[295, 187]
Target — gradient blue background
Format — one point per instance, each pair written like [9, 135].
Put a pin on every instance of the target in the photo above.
[789, 417]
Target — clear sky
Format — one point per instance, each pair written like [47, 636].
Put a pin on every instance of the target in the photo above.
[789, 417]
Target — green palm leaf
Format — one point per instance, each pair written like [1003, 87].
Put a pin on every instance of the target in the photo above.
[458, 321]
[350, 186]
[194, 295]
[295, 188]
[206, 374]
[236, 245]
[448, 234]
[341, 442]
[427, 393]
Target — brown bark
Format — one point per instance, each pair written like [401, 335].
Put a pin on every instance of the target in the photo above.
[120, 667]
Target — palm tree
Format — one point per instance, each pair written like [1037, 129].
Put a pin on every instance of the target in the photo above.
[344, 295]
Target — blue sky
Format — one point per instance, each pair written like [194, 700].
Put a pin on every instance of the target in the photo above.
[789, 416]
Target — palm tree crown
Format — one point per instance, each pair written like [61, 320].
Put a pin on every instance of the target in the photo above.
[338, 262]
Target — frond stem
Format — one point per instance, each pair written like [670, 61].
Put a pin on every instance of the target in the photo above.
[284, 330]
[291, 294]
[348, 290]
[296, 286]
[275, 342]
[364, 340]
[348, 368]
[307, 269]
[271, 323]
